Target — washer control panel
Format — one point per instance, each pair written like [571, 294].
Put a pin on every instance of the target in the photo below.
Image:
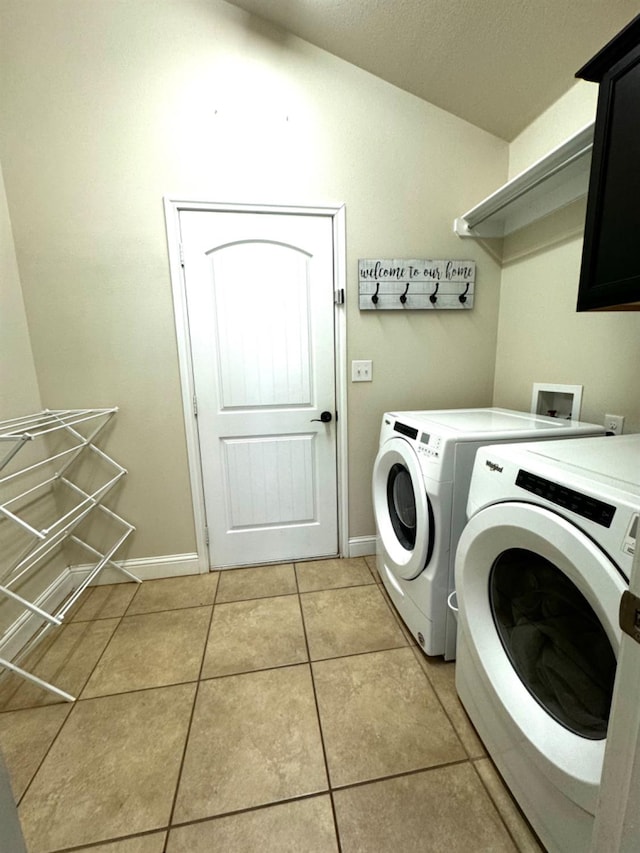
[429, 444]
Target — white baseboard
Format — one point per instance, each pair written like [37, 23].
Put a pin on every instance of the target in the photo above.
[362, 546]
[145, 568]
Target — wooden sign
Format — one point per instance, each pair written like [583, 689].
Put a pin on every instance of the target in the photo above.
[406, 284]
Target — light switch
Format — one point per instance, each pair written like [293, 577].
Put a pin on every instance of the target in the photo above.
[361, 371]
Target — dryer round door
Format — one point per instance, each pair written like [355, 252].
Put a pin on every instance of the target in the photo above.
[538, 604]
[402, 509]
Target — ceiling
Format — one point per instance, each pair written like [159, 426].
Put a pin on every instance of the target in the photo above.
[496, 63]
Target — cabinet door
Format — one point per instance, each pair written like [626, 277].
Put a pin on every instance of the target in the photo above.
[610, 271]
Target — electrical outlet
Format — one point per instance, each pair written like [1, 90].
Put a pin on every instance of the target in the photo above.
[614, 423]
[361, 371]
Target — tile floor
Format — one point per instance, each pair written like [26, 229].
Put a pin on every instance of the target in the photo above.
[279, 708]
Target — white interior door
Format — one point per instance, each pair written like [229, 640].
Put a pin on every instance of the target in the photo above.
[259, 295]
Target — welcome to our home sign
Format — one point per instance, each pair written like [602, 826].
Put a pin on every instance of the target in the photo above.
[403, 285]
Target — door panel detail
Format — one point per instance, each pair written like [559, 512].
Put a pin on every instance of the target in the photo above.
[262, 307]
[270, 481]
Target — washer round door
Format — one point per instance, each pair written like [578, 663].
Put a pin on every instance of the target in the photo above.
[402, 509]
[538, 604]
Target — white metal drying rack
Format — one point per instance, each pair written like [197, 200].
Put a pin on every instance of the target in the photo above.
[17, 432]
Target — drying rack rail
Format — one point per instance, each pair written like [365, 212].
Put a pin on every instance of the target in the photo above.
[65, 436]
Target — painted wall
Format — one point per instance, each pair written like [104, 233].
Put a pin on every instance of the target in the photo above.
[110, 105]
[541, 338]
[19, 392]
[19, 395]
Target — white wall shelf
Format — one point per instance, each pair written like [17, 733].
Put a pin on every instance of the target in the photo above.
[554, 181]
[45, 500]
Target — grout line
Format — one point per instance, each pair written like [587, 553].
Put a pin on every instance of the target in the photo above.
[97, 845]
[137, 690]
[256, 598]
[322, 741]
[401, 774]
[128, 615]
[191, 716]
[300, 592]
[250, 809]
[367, 585]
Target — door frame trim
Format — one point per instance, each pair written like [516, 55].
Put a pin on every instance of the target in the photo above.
[173, 205]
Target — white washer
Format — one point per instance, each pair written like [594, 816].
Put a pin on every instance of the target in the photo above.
[420, 483]
[540, 570]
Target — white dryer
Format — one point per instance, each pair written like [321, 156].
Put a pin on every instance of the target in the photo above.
[420, 483]
[540, 570]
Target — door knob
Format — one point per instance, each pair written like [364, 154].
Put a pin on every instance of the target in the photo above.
[325, 417]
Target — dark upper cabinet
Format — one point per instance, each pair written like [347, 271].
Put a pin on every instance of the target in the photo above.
[610, 271]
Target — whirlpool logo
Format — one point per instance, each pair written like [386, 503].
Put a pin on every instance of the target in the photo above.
[492, 466]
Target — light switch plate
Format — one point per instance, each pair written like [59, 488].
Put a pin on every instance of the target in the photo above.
[361, 371]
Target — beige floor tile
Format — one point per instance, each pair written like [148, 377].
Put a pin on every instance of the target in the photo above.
[379, 716]
[111, 772]
[373, 567]
[254, 740]
[25, 737]
[445, 809]
[348, 621]
[442, 676]
[303, 825]
[103, 602]
[152, 650]
[330, 574]
[255, 634]
[173, 593]
[153, 843]
[519, 828]
[256, 582]
[65, 658]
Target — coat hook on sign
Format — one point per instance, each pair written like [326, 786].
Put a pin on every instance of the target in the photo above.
[463, 296]
[403, 297]
[434, 296]
[375, 297]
